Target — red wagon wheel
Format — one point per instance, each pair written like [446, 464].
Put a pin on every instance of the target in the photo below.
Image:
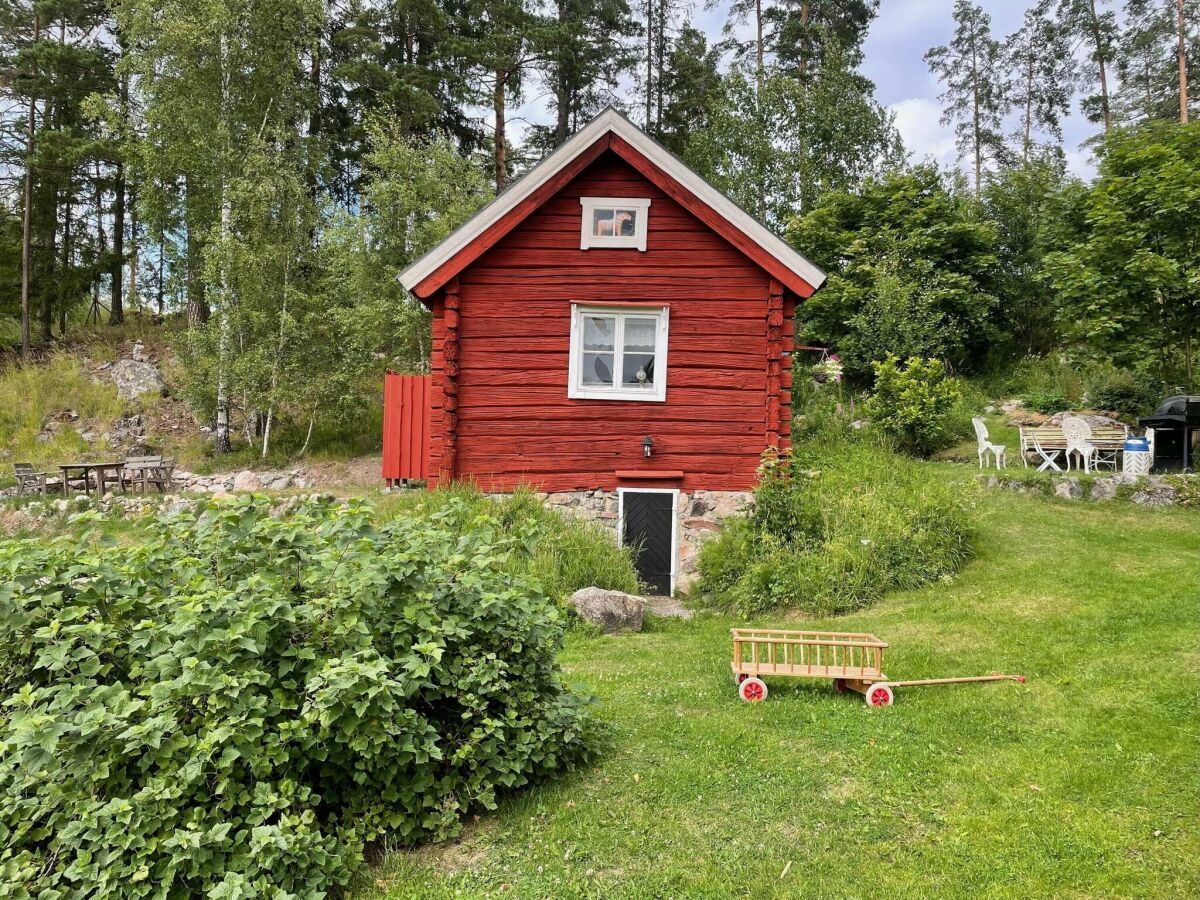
[880, 694]
[753, 690]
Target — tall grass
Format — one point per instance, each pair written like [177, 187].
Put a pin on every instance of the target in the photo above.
[32, 395]
[835, 526]
[564, 554]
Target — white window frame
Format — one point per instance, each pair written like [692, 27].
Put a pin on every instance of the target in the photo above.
[637, 240]
[657, 393]
[674, 492]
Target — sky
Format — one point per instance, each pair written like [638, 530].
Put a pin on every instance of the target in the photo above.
[894, 59]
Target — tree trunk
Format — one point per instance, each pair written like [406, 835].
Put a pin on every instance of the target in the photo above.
[563, 88]
[308, 437]
[501, 149]
[68, 261]
[758, 43]
[162, 252]
[26, 218]
[1028, 108]
[1100, 62]
[804, 44]
[650, 64]
[116, 310]
[223, 444]
[975, 122]
[131, 293]
[1183, 75]
[197, 302]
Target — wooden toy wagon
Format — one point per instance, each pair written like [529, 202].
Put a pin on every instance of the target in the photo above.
[852, 659]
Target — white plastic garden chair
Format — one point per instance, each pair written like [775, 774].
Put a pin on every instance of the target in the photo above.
[1078, 434]
[985, 444]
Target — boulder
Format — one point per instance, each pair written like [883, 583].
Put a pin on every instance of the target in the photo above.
[613, 611]
[136, 377]
[246, 481]
[1104, 489]
[1068, 489]
[1093, 420]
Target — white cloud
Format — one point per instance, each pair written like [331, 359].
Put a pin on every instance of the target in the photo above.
[924, 136]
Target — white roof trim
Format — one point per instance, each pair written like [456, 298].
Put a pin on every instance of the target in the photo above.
[611, 121]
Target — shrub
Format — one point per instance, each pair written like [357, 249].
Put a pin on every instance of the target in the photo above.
[238, 704]
[1129, 394]
[564, 553]
[912, 403]
[831, 532]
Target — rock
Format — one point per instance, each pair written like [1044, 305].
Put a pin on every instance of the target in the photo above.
[701, 524]
[1093, 420]
[613, 611]
[246, 481]
[1104, 489]
[989, 409]
[1068, 489]
[136, 377]
[139, 352]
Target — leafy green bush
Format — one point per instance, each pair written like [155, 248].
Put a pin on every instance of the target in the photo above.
[1048, 400]
[564, 554]
[831, 531]
[912, 403]
[1130, 394]
[238, 704]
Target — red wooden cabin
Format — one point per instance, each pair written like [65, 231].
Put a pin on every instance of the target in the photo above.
[613, 331]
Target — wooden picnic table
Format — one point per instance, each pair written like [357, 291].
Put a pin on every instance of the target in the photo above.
[85, 471]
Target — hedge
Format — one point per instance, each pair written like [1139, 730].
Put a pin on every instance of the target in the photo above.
[240, 703]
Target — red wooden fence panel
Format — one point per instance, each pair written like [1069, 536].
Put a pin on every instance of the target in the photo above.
[406, 426]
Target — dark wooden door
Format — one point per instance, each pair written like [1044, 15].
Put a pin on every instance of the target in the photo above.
[649, 526]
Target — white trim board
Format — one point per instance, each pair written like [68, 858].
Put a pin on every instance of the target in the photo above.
[674, 492]
[611, 121]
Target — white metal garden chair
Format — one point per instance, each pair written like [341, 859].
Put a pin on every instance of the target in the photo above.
[1078, 434]
[985, 444]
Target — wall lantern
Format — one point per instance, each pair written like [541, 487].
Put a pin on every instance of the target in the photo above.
[647, 446]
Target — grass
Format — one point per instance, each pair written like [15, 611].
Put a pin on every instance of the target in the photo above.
[32, 395]
[1083, 782]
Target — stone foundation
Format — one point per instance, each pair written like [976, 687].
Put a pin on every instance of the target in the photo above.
[698, 516]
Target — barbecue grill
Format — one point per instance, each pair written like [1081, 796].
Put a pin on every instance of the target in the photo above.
[1176, 424]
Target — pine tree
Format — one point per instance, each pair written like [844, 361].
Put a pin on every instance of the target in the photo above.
[503, 40]
[805, 30]
[971, 68]
[585, 57]
[1155, 53]
[691, 86]
[1095, 28]
[1042, 73]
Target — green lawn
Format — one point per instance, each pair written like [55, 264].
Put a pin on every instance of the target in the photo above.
[1083, 782]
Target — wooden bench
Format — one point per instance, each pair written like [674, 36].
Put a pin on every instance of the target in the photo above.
[32, 482]
[146, 471]
[1047, 441]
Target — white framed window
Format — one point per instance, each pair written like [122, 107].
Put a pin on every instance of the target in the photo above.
[618, 353]
[613, 222]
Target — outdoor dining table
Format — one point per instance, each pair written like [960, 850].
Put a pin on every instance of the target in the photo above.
[85, 471]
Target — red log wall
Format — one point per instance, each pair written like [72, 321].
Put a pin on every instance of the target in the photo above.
[501, 414]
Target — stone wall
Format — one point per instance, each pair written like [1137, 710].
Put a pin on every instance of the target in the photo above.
[698, 517]
[1147, 490]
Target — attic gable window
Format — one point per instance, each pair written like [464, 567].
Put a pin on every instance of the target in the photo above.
[618, 353]
[613, 222]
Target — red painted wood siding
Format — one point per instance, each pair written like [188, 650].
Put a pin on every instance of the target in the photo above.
[406, 415]
[515, 423]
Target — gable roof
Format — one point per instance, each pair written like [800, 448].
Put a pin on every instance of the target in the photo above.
[611, 131]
